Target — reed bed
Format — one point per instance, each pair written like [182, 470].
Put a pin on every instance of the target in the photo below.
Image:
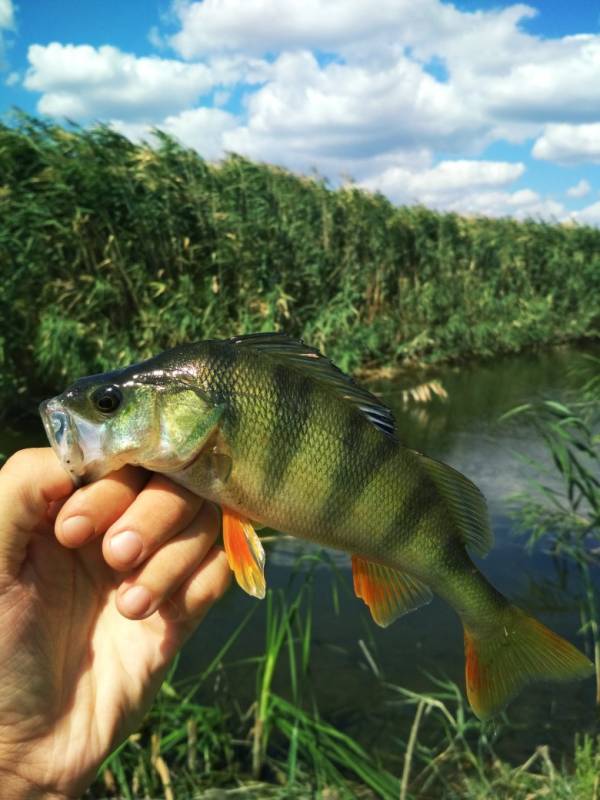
[112, 251]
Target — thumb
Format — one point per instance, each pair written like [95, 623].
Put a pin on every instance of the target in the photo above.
[29, 482]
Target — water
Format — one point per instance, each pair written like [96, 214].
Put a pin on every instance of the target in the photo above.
[464, 432]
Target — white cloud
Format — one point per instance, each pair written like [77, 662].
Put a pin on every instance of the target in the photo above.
[378, 95]
[156, 38]
[199, 128]
[544, 81]
[569, 144]
[346, 26]
[491, 61]
[259, 26]
[80, 81]
[580, 189]
[590, 215]
[202, 129]
[7, 23]
[445, 183]
[467, 187]
[346, 115]
[522, 204]
[7, 15]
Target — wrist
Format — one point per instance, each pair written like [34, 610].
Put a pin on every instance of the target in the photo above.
[15, 787]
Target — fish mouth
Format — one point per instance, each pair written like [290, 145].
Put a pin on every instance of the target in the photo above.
[62, 434]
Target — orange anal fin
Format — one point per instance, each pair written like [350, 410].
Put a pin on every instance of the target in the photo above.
[245, 553]
[388, 592]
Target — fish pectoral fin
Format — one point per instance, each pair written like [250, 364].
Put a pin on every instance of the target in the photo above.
[245, 553]
[388, 592]
[221, 465]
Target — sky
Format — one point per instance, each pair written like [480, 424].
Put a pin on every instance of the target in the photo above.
[477, 107]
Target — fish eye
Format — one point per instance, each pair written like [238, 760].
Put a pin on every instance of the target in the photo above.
[107, 399]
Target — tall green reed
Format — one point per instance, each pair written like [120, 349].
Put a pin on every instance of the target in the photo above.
[562, 508]
[279, 746]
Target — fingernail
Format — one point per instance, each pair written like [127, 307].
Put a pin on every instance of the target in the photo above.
[77, 530]
[136, 601]
[125, 546]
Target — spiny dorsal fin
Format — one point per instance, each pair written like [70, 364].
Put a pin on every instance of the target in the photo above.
[388, 592]
[466, 504]
[303, 358]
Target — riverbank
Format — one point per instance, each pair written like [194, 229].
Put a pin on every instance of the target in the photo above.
[111, 252]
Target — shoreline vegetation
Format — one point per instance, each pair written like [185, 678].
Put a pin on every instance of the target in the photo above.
[112, 251]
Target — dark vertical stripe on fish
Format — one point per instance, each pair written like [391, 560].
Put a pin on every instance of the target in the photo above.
[408, 519]
[226, 379]
[294, 405]
[350, 480]
[379, 457]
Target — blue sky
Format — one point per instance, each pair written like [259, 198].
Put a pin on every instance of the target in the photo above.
[477, 107]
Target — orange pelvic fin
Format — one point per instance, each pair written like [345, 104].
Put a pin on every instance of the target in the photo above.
[498, 665]
[245, 553]
[388, 592]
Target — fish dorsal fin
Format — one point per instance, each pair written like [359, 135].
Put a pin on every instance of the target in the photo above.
[466, 504]
[388, 592]
[297, 355]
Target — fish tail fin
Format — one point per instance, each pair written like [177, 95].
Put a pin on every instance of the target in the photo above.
[520, 650]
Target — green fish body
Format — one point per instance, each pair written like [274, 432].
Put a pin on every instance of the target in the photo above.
[269, 429]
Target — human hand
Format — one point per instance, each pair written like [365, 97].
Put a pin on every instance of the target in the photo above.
[80, 657]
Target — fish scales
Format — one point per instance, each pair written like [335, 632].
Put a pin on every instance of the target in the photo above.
[273, 432]
[305, 463]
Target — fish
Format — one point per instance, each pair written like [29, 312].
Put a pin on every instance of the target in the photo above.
[273, 432]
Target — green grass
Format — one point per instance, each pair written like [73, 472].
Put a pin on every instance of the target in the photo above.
[276, 747]
[111, 251]
[199, 741]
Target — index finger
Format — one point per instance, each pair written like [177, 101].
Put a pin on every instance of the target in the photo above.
[94, 508]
